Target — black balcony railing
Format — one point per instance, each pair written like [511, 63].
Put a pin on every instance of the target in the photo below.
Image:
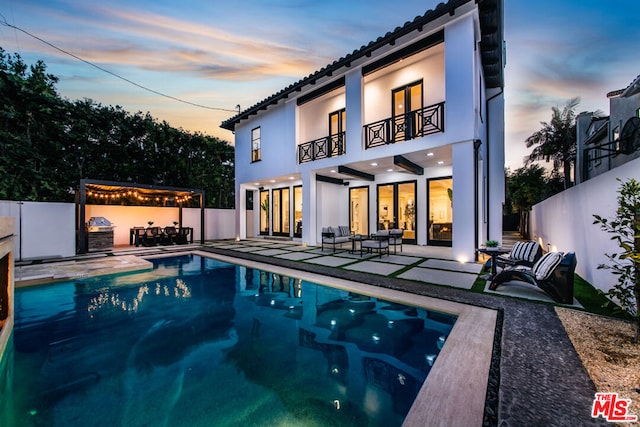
[329, 146]
[404, 127]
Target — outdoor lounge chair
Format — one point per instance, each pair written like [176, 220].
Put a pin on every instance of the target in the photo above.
[394, 237]
[522, 253]
[378, 242]
[335, 236]
[553, 273]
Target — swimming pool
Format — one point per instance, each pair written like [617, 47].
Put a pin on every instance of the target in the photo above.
[198, 341]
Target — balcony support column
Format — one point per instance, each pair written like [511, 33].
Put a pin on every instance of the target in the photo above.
[354, 96]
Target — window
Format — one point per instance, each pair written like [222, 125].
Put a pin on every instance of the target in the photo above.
[255, 145]
[615, 137]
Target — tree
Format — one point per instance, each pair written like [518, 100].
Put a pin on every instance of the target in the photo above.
[556, 141]
[48, 144]
[625, 227]
[527, 186]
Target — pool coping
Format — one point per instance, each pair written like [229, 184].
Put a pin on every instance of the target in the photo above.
[455, 390]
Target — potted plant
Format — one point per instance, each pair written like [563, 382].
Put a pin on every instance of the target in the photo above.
[265, 207]
[491, 244]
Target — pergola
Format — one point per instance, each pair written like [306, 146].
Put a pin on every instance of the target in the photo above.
[133, 194]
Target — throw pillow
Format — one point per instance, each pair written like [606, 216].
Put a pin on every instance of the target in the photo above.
[544, 267]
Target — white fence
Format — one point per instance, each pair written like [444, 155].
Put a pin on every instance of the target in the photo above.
[564, 222]
[48, 230]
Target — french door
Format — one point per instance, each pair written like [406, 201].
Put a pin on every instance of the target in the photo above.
[265, 208]
[297, 211]
[406, 101]
[359, 210]
[281, 209]
[397, 208]
[440, 211]
[337, 128]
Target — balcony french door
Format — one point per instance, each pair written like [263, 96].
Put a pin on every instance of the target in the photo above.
[405, 100]
[337, 128]
[397, 208]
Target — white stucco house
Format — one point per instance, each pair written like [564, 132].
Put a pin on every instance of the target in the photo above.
[405, 132]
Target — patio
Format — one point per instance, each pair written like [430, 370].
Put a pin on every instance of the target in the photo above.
[536, 376]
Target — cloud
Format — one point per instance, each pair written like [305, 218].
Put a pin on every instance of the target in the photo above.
[154, 42]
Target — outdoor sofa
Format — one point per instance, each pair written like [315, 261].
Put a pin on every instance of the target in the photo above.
[335, 236]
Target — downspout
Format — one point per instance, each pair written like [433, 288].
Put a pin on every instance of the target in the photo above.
[476, 198]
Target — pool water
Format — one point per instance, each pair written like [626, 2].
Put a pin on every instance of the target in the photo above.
[200, 342]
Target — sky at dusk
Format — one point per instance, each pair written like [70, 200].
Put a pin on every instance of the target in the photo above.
[221, 54]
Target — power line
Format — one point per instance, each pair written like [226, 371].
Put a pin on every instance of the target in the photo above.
[5, 23]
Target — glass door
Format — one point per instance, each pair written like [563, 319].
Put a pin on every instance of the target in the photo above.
[265, 208]
[297, 211]
[440, 211]
[359, 210]
[397, 208]
[337, 128]
[386, 211]
[406, 102]
[406, 201]
[281, 212]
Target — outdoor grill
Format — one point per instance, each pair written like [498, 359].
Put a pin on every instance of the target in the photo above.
[99, 234]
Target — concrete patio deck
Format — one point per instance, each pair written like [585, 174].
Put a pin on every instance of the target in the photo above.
[536, 377]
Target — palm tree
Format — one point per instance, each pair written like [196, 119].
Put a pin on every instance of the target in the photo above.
[556, 140]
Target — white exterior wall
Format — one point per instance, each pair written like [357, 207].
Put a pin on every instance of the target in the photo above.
[451, 72]
[48, 230]
[427, 66]
[495, 184]
[564, 222]
[461, 130]
[278, 154]
[460, 58]
[311, 127]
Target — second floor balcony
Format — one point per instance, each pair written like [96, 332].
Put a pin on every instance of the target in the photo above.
[322, 148]
[405, 127]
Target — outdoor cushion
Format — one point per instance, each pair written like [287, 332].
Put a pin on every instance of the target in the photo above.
[525, 251]
[543, 268]
[344, 230]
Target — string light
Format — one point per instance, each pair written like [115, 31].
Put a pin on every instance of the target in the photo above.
[124, 196]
